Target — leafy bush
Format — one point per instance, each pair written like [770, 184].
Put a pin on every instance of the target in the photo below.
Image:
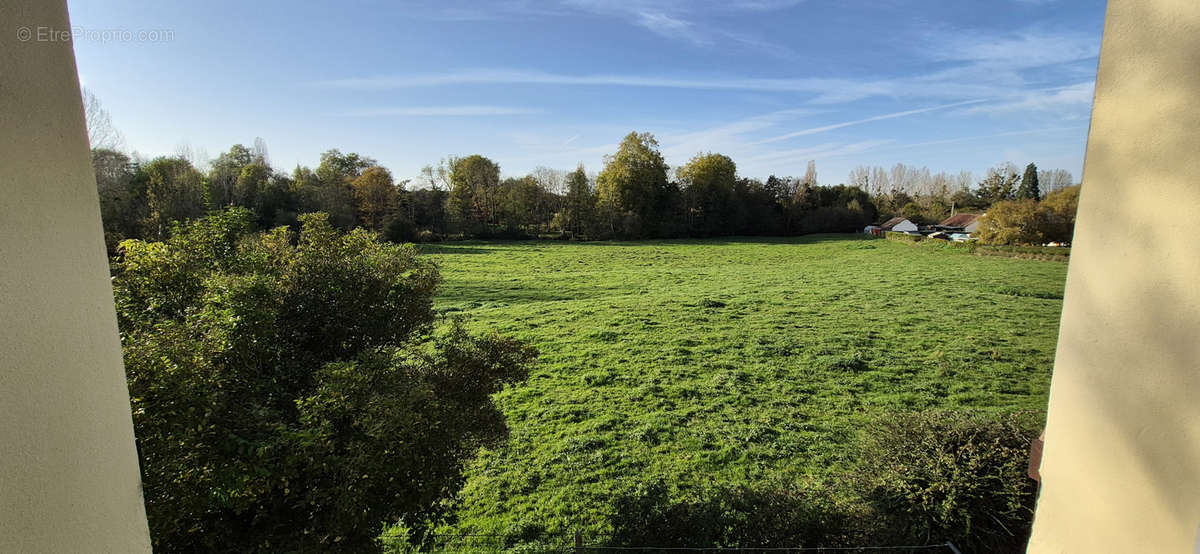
[770, 515]
[940, 476]
[1060, 207]
[903, 237]
[295, 396]
[1013, 222]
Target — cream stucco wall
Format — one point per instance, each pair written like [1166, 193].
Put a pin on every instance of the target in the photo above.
[1121, 469]
[68, 467]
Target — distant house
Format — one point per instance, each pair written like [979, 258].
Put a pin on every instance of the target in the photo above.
[872, 230]
[960, 223]
[899, 225]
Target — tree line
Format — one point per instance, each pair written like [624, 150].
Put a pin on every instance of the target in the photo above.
[635, 195]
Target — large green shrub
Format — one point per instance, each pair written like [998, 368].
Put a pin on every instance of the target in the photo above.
[938, 476]
[771, 515]
[1060, 207]
[1026, 222]
[1012, 222]
[291, 393]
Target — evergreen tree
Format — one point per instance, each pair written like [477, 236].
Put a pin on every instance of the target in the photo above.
[1029, 185]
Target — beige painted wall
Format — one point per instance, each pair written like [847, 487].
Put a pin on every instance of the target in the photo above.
[1121, 471]
[68, 467]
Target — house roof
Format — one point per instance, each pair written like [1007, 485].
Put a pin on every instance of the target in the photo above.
[887, 225]
[959, 220]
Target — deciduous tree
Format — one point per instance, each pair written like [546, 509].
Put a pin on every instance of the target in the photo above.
[375, 194]
[174, 191]
[632, 187]
[474, 201]
[102, 134]
[999, 184]
[708, 181]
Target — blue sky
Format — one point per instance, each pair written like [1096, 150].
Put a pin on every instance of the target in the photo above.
[951, 85]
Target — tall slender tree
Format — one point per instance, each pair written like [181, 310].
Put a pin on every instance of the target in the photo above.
[580, 202]
[1030, 190]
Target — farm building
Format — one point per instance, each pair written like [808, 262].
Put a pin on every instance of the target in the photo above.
[899, 225]
[963, 223]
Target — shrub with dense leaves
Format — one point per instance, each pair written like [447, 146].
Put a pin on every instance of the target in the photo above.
[1026, 222]
[939, 476]
[291, 392]
[1013, 222]
[770, 515]
[1059, 208]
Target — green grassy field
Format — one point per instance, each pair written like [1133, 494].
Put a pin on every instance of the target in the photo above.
[730, 361]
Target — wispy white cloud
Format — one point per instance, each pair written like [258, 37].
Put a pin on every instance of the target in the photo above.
[668, 26]
[957, 140]
[1070, 100]
[957, 65]
[731, 136]
[683, 20]
[498, 10]
[454, 14]
[820, 151]
[435, 111]
[893, 115]
[522, 77]
[1028, 48]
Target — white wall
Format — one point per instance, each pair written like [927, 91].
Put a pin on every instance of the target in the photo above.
[1121, 466]
[68, 468]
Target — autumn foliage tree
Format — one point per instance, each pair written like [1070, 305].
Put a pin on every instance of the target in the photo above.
[1059, 209]
[1012, 222]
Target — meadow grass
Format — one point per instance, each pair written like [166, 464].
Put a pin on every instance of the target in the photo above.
[736, 361]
